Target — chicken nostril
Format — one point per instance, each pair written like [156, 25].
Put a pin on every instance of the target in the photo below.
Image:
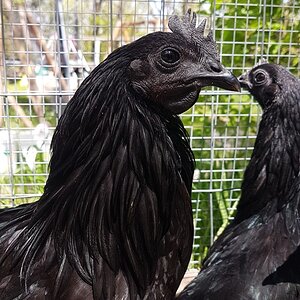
[241, 78]
[216, 69]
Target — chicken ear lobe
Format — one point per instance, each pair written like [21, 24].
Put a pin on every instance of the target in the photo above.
[138, 70]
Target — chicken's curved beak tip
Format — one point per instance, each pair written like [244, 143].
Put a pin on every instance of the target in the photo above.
[229, 82]
[236, 84]
[225, 80]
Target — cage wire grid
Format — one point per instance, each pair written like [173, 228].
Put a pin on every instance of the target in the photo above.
[48, 48]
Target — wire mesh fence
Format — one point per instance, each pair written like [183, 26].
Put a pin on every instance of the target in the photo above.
[48, 47]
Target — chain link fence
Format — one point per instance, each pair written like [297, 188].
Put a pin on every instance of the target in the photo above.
[48, 47]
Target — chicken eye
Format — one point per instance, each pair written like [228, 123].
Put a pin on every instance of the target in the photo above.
[170, 56]
[260, 77]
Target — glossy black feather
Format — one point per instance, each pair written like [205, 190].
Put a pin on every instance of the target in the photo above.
[115, 218]
[128, 189]
[256, 256]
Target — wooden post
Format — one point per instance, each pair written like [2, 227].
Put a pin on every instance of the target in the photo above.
[34, 30]
[20, 112]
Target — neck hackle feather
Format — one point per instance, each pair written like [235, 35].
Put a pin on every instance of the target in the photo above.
[111, 192]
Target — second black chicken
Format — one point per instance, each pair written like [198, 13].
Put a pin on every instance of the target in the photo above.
[256, 257]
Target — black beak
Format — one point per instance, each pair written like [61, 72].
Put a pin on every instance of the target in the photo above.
[225, 80]
[220, 78]
[244, 82]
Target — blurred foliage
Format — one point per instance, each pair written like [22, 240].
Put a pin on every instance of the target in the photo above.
[25, 181]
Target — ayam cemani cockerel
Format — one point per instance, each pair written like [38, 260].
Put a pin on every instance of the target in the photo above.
[115, 219]
[257, 256]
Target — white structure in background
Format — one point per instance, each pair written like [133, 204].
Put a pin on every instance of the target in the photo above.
[23, 145]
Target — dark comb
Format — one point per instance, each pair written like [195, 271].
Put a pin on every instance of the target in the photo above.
[187, 27]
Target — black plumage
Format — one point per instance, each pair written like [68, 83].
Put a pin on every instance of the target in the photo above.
[246, 261]
[115, 220]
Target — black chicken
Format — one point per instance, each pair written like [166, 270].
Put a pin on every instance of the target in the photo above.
[115, 219]
[245, 261]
